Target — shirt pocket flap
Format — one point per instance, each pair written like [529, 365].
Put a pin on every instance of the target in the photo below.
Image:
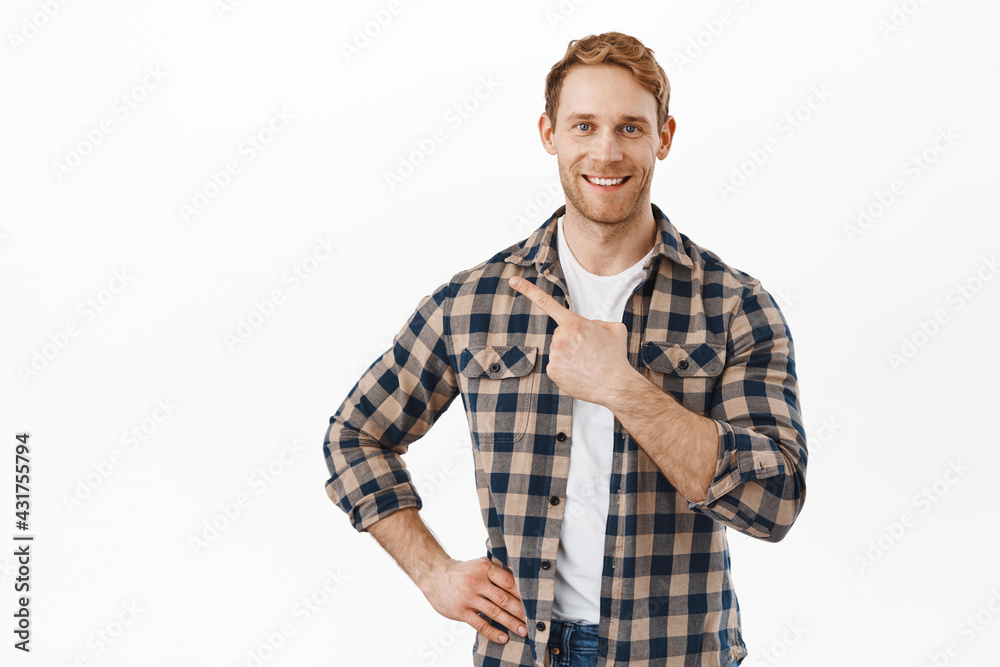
[496, 362]
[684, 359]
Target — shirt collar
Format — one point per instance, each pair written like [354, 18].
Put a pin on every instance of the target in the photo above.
[540, 247]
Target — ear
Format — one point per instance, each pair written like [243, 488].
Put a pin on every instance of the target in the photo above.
[666, 137]
[545, 132]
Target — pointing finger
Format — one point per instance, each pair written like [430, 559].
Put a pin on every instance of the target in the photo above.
[549, 306]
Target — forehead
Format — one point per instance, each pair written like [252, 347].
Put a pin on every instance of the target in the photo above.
[604, 91]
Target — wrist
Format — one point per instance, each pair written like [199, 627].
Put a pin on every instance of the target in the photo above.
[625, 390]
[424, 577]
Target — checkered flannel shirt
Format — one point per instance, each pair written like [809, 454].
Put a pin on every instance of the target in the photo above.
[708, 334]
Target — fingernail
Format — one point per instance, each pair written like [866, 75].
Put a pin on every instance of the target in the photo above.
[521, 630]
[514, 281]
[503, 638]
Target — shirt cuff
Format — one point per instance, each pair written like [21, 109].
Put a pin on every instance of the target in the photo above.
[744, 456]
[382, 503]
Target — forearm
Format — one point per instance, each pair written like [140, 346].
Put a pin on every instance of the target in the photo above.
[682, 444]
[405, 536]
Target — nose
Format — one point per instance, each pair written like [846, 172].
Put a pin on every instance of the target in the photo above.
[606, 147]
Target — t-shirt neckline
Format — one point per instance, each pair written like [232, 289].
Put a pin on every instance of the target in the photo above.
[635, 268]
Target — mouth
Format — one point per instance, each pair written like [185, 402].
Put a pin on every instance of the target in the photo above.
[606, 182]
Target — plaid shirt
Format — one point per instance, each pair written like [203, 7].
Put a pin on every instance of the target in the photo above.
[708, 334]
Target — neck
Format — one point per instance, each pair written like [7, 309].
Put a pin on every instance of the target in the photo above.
[608, 248]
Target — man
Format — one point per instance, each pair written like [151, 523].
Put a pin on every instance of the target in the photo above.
[629, 396]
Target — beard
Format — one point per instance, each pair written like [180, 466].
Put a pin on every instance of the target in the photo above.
[623, 207]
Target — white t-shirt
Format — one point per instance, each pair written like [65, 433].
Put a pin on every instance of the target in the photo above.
[580, 559]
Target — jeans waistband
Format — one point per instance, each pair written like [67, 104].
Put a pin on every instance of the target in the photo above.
[575, 637]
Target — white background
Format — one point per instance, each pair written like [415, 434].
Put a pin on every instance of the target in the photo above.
[873, 573]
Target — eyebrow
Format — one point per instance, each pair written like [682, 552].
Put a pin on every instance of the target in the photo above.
[623, 119]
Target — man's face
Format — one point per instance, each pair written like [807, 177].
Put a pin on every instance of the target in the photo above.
[605, 129]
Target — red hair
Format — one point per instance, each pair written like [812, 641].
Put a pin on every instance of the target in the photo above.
[611, 48]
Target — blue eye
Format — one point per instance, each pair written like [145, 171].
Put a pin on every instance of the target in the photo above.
[583, 126]
[634, 129]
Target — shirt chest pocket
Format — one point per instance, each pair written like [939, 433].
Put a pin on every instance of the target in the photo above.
[688, 371]
[500, 383]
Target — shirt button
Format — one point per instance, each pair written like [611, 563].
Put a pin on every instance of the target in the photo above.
[554, 500]
[545, 564]
[540, 625]
[560, 436]
[494, 367]
[683, 365]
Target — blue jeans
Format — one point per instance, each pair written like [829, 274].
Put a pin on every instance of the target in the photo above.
[573, 644]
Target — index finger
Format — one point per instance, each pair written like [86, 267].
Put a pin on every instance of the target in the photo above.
[556, 311]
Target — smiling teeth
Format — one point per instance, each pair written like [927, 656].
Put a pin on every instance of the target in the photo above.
[605, 181]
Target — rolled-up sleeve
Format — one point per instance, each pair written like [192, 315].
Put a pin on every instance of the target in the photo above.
[394, 403]
[760, 482]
